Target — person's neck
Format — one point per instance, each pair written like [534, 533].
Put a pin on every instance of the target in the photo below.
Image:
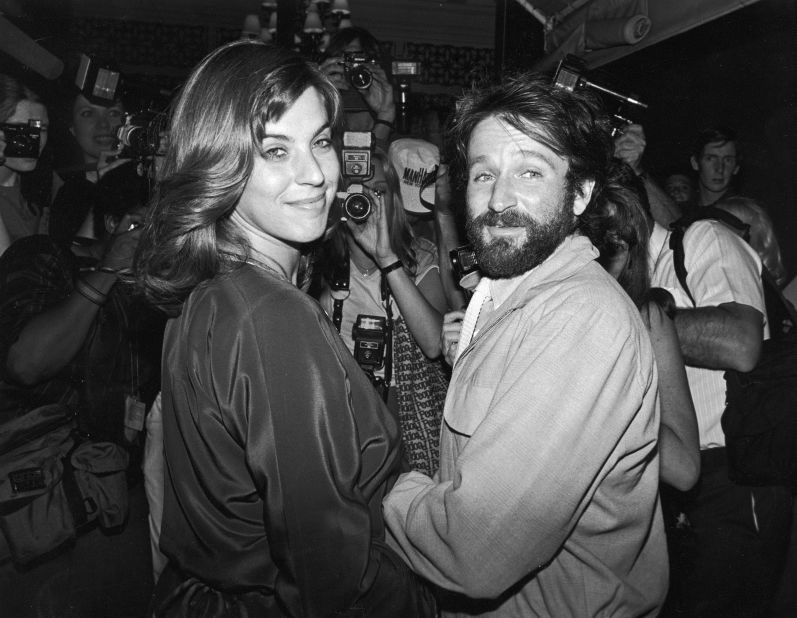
[362, 261]
[8, 177]
[706, 196]
[271, 253]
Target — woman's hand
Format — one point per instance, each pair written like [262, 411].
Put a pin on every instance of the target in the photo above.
[373, 235]
[449, 335]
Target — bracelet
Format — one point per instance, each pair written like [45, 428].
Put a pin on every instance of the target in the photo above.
[387, 123]
[391, 267]
[100, 269]
[90, 293]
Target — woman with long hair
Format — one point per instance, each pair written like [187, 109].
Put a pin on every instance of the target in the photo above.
[619, 225]
[393, 283]
[278, 451]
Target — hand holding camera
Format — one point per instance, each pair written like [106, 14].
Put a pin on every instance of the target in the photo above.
[373, 235]
[629, 146]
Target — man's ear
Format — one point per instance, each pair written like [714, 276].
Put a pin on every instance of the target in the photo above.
[693, 161]
[582, 197]
[735, 171]
[72, 131]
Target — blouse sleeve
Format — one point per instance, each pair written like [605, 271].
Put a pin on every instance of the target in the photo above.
[318, 447]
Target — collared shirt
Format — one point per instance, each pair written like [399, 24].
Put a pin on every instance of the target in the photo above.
[721, 268]
[547, 495]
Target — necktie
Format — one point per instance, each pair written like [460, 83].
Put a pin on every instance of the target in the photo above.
[480, 295]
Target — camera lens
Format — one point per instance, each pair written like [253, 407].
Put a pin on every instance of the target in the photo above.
[357, 207]
[360, 77]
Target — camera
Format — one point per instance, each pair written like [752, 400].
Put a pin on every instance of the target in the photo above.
[370, 337]
[569, 75]
[22, 139]
[356, 166]
[355, 69]
[465, 266]
[140, 135]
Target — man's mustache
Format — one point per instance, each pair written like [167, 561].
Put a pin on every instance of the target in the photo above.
[507, 218]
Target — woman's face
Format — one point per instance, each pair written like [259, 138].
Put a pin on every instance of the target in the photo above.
[95, 126]
[24, 111]
[292, 185]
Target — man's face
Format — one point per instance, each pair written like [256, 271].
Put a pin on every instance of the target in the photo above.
[519, 209]
[717, 166]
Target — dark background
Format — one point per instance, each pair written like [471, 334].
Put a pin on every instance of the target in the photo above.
[739, 70]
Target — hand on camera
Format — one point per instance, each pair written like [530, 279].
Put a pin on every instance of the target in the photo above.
[379, 95]
[121, 246]
[373, 235]
[629, 146]
[449, 336]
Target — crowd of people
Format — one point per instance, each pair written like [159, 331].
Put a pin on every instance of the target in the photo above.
[331, 420]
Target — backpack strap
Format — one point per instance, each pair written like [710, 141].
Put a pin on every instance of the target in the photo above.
[678, 231]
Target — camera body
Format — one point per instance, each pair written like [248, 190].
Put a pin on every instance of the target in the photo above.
[22, 139]
[569, 75]
[465, 266]
[356, 71]
[356, 167]
[140, 135]
[370, 338]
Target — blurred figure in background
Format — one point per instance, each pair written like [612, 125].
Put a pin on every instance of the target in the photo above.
[93, 124]
[19, 214]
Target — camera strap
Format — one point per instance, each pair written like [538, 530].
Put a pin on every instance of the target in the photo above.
[337, 313]
[385, 289]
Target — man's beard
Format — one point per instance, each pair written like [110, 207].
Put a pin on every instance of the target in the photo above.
[502, 258]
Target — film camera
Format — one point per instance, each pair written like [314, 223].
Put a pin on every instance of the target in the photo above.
[22, 139]
[356, 71]
[465, 266]
[369, 334]
[569, 75]
[140, 135]
[356, 167]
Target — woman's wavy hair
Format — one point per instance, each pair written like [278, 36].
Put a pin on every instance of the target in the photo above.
[762, 233]
[335, 251]
[620, 220]
[216, 127]
[571, 123]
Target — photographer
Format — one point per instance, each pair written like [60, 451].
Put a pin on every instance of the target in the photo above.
[368, 109]
[72, 334]
[94, 151]
[393, 276]
[22, 142]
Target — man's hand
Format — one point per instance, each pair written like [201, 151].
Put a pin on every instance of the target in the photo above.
[449, 335]
[629, 146]
[379, 95]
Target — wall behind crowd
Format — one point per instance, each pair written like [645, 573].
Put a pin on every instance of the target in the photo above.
[741, 71]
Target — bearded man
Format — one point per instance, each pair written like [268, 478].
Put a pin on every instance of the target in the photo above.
[546, 500]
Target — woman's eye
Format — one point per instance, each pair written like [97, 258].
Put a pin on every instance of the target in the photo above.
[86, 113]
[324, 143]
[274, 153]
